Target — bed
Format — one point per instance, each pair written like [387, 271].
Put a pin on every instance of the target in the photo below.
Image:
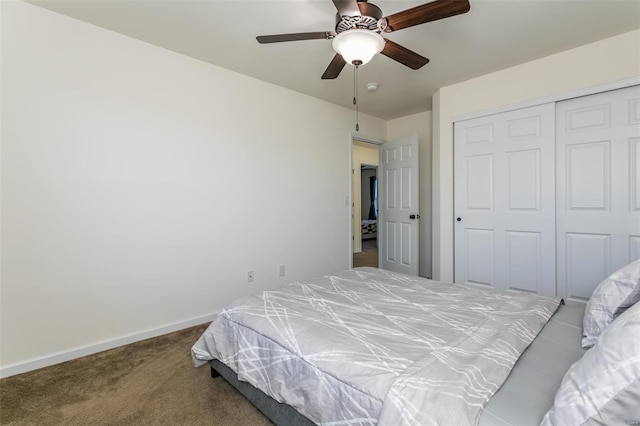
[369, 229]
[368, 346]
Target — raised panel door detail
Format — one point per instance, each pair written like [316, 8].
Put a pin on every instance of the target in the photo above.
[587, 263]
[634, 111]
[528, 127]
[480, 182]
[634, 173]
[406, 187]
[479, 254]
[392, 228]
[406, 244]
[589, 118]
[391, 155]
[634, 247]
[480, 134]
[523, 261]
[390, 185]
[523, 180]
[406, 151]
[588, 176]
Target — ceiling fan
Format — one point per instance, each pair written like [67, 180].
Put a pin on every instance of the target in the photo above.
[357, 38]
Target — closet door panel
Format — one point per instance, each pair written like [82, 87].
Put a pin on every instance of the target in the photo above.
[634, 181]
[480, 257]
[587, 256]
[598, 214]
[634, 246]
[524, 267]
[505, 200]
[588, 176]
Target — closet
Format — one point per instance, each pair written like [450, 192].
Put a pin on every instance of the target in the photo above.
[547, 198]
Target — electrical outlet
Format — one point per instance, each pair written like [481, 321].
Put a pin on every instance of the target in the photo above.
[250, 276]
[281, 271]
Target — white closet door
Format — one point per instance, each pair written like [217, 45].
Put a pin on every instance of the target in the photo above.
[598, 187]
[505, 200]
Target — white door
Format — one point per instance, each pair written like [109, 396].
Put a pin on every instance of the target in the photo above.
[598, 184]
[504, 197]
[398, 205]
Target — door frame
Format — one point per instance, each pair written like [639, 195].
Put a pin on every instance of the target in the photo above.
[357, 137]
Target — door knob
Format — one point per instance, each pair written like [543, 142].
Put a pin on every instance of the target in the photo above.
[459, 219]
[412, 216]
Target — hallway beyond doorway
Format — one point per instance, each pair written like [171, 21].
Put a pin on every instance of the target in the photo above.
[369, 254]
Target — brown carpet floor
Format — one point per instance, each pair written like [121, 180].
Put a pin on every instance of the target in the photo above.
[146, 383]
[369, 254]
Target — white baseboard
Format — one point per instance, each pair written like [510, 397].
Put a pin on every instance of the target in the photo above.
[68, 355]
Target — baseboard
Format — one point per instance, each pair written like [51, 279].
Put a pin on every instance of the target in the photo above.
[63, 356]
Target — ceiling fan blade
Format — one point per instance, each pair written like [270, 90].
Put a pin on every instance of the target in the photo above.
[277, 38]
[403, 55]
[438, 9]
[334, 68]
[347, 7]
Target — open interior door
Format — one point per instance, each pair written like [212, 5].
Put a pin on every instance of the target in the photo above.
[398, 205]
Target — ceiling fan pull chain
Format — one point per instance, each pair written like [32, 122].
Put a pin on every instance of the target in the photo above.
[355, 94]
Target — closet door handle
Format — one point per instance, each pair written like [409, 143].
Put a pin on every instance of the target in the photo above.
[459, 219]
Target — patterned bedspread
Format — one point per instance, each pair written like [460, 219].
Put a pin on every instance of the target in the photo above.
[368, 346]
[369, 227]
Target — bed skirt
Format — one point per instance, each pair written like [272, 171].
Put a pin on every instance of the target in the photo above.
[278, 413]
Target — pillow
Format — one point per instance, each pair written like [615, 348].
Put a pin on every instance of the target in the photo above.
[612, 296]
[603, 387]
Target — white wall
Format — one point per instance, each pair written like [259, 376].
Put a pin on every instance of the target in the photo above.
[419, 124]
[602, 62]
[139, 186]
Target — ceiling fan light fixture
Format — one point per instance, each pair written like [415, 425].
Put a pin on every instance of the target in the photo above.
[358, 46]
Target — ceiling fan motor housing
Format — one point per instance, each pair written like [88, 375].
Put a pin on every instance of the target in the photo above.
[368, 20]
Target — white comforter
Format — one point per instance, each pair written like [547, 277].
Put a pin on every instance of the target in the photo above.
[368, 346]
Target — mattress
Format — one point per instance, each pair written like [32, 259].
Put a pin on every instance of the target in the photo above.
[374, 347]
[528, 392]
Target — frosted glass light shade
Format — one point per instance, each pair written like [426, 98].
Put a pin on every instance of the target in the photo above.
[358, 45]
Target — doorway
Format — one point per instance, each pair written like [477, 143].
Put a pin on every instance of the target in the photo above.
[397, 201]
[365, 236]
[368, 214]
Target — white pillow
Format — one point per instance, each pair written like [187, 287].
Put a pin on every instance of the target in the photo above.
[603, 387]
[611, 298]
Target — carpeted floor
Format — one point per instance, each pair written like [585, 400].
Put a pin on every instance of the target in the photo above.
[146, 383]
[369, 254]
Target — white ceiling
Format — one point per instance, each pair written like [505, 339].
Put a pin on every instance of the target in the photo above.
[493, 35]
